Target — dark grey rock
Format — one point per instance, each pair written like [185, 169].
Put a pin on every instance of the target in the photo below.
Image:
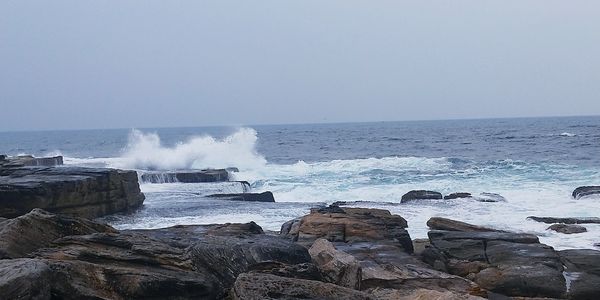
[83, 192]
[458, 196]
[567, 228]
[582, 267]
[584, 191]
[25, 279]
[578, 220]
[420, 195]
[252, 197]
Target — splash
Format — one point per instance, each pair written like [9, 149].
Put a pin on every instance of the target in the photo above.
[145, 151]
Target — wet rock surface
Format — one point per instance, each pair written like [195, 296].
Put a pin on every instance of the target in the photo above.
[582, 268]
[84, 192]
[567, 228]
[251, 197]
[421, 195]
[457, 196]
[186, 176]
[584, 191]
[551, 220]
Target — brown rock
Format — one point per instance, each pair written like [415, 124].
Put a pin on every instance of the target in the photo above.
[22, 235]
[338, 224]
[336, 266]
[437, 223]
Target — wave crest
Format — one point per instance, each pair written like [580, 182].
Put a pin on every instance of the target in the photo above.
[145, 151]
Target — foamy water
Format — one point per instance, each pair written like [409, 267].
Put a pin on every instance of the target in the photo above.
[530, 188]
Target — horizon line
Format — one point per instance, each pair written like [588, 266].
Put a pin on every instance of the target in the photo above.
[298, 123]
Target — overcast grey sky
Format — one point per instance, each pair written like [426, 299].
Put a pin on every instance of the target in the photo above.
[107, 64]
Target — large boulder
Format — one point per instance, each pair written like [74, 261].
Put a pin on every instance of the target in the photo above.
[336, 266]
[420, 195]
[254, 286]
[507, 263]
[22, 235]
[344, 224]
[584, 191]
[252, 197]
[186, 176]
[83, 192]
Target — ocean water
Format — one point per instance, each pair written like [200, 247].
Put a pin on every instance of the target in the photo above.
[534, 163]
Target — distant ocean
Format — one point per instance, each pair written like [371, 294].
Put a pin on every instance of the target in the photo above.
[534, 163]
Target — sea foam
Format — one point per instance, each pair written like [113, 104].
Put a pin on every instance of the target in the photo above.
[145, 151]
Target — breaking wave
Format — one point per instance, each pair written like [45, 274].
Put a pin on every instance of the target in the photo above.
[145, 151]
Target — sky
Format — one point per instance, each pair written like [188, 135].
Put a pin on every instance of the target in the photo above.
[123, 64]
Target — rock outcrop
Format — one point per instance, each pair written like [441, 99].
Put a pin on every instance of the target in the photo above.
[30, 161]
[38, 229]
[181, 262]
[507, 263]
[252, 197]
[187, 176]
[584, 191]
[84, 192]
[421, 195]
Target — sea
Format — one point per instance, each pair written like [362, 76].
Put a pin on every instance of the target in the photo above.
[533, 163]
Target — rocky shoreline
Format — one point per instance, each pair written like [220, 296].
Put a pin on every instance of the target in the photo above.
[51, 249]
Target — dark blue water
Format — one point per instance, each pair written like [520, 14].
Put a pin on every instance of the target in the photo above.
[525, 139]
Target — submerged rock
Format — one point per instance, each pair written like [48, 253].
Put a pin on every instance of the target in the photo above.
[584, 191]
[551, 220]
[252, 197]
[490, 197]
[458, 196]
[420, 195]
[84, 192]
[567, 228]
[453, 225]
[191, 176]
